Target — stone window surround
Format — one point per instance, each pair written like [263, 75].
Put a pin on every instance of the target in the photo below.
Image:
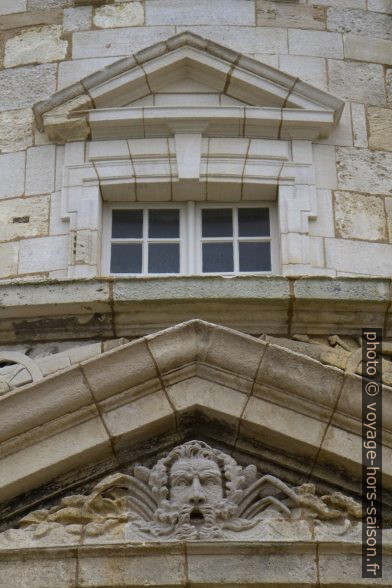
[189, 167]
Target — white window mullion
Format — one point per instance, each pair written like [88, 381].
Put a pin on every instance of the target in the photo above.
[236, 251]
[145, 242]
[190, 241]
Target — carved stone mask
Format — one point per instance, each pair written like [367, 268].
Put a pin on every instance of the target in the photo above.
[195, 482]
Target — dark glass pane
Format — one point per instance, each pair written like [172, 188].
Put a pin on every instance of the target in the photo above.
[127, 224]
[253, 222]
[163, 258]
[218, 257]
[164, 224]
[217, 222]
[126, 258]
[255, 257]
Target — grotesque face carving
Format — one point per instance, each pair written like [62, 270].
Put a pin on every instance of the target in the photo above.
[196, 482]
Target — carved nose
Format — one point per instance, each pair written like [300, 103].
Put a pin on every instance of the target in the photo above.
[196, 496]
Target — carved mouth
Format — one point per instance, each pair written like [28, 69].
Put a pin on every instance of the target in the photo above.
[196, 516]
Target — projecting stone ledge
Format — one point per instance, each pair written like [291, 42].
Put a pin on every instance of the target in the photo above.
[130, 307]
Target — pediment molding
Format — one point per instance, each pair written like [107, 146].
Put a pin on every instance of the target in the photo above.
[154, 386]
[274, 104]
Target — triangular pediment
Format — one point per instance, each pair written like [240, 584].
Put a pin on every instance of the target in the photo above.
[195, 380]
[183, 81]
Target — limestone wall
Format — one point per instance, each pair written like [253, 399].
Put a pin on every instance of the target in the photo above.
[342, 46]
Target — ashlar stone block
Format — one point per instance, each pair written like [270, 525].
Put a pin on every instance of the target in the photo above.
[24, 217]
[128, 14]
[24, 86]
[364, 171]
[12, 6]
[40, 169]
[359, 257]
[380, 6]
[16, 129]
[359, 21]
[360, 82]
[8, 259]
[315, 43]
[12, 166]
[40, 44]
[370, 49]
[77, 18]
[204, 12]
[380, 127]
[275, 14]
[43, 254]
[360, 216]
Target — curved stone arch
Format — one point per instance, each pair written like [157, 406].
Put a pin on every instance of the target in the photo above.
[17, 358]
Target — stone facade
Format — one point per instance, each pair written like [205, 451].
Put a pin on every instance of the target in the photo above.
[140, 444]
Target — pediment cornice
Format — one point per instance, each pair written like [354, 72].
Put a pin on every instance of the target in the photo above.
[271, 103]
[246, 387]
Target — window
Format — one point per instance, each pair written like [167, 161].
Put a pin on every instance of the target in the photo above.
[208, 238]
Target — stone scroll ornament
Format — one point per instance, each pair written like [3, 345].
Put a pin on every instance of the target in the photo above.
[194, 493]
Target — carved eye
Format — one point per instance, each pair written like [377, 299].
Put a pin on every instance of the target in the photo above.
[210, 482]
[182, 484]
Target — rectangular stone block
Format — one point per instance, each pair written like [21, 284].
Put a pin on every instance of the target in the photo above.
[36, 44]
[35, 571]
[16, 129]
[380, 6]
[360, 216]
[359, 257]
[43, 254]
[24, 217]
[40, 169]
[23, 86]
[343, 3]
[380, 128]
[360, 48]
[130, 14]
[310, 69]
[117, 42]
[12, 6]
[74, 70]
[363, 171]
[316, 43]
[9, 259]
[323, 225]
[271, 13]
[359, 82]
[130, 568]
[270, 41]
[359, 21]
[77, 18]
[358, 118]
[204, 12]
[325, 166]
[12, 166]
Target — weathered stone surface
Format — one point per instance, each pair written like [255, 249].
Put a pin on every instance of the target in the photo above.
[61, 125]
[24, 217]
[352, 257]
[24, 86]
[380, 128]
[388, 83]
[34, 4]
[363, 171]
[342, 3]
[74, 70]
[380, 6]
[358, 117]
[359, 21]
[38, 572]
[315, 43]
[370, 49]
[360, 216]
[360, 82]
[12, 6]
[268, 40]
[107, 43]
[270, 13]
[37, 44]
[310, 69]
[9, 259]
[12, 166]
[129, 14]
[43, 254]
[77, 18]
[204, 12]
[16, 129]
[40, 168]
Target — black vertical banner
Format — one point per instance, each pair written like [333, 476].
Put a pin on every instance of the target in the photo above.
[372, 453]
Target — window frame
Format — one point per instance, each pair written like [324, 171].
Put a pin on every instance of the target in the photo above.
[190, 236]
